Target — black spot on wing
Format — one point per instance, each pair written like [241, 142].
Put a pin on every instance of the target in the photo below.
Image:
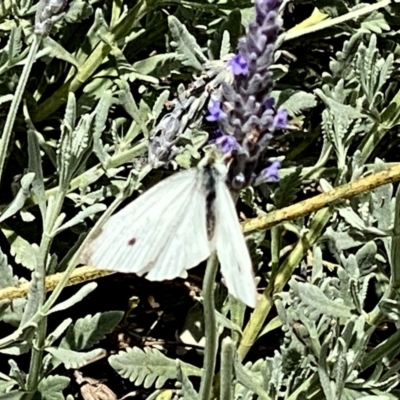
[131, 242]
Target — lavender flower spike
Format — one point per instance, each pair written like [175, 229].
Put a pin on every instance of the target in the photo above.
[245, 110]
[48, 13]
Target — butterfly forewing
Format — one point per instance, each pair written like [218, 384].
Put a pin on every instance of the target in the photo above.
[147, 234]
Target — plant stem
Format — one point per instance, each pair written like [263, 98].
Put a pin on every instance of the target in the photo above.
[210, 324]
[39, 287]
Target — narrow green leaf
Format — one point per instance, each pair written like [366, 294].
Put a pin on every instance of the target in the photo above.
[7, 278]
[73, 359]
[15, 395]
[35, 166]
[80, 217]
[76, 298]
[56, 334]
[19, 200]
[22, 250]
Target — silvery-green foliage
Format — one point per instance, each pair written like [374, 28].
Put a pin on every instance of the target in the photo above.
[186, 390]
[47, 14]
[342, 66]
[340, 120]
[35, 166]
[74, 140]
[185, 44]
[19, 200]
[75, 298]
[131, 93]
[74, 359]
[375, 22]
[148, 367]
[51, 387]
[16, 373]
[372, 71]
[288, 188]
[354, 92]
[325, 327]
[370, 216]
[84, 334]
[294, 102]
[10, 53]
[88, 331]
[10, 311]
[7, 277]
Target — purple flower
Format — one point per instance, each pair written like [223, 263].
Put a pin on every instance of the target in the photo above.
[227, 144]
[214, 108]
[269, 103]
[215, 135]
[270, 174]
[239, 65]
[280, 119]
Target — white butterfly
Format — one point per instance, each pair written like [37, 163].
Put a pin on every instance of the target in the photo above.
[173, 227]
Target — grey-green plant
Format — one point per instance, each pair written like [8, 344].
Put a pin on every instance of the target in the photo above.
[98, 100]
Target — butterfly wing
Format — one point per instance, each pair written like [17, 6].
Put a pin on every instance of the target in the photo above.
[163, 232]
[233, 255]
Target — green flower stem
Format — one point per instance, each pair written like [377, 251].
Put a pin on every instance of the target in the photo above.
[227, 352]
[40, 290]
[265, 303]
[16, 101]
[210, 324]
[276, 244]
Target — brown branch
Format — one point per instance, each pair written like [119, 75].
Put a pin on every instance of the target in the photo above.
[309, 206]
